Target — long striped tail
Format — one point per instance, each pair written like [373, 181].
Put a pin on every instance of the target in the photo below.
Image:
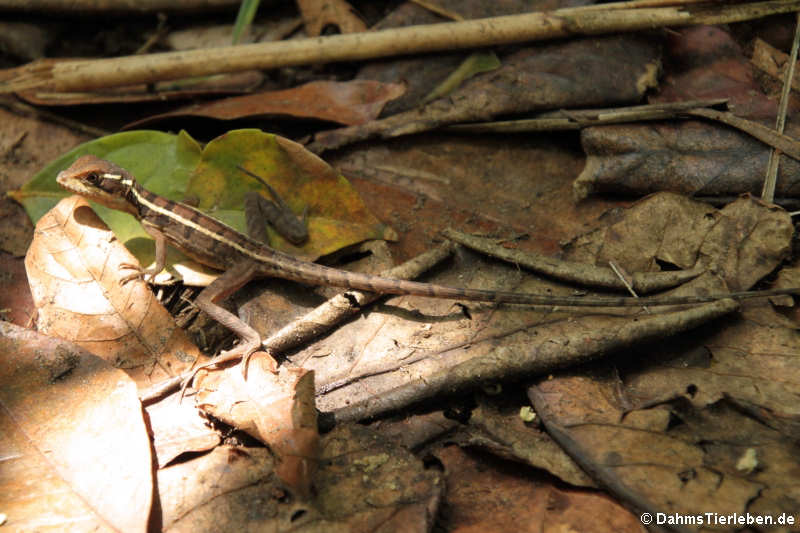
[317, 274]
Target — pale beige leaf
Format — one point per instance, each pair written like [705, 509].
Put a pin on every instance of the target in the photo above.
[73, 265]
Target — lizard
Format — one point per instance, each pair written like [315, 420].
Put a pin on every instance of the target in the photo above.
[277, 213]
[242, 258]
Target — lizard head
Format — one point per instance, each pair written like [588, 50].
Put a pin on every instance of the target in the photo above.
[100, 181]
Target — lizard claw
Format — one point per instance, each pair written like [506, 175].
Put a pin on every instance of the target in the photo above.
[138, 272]
[144, 274]
[273, 364]
[244, 352]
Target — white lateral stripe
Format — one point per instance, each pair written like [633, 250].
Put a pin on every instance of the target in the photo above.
[198, 227]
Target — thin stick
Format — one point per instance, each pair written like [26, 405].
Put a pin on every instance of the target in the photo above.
[624, 279]
[571, 271]
[605, 475]
[768, 192]
[115, 6]
[788, 145]
[575, 119]
[42, 114]
[327, 315]
[439, 10]
[579, 343]
[320, 319]
[99, 73]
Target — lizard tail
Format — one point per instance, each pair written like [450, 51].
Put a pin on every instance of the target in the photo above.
[317, 274]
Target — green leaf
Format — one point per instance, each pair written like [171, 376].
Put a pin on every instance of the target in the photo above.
[177, 167]
[160, 161]
[337, 217]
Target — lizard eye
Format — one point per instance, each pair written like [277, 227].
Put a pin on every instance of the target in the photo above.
[93, 178]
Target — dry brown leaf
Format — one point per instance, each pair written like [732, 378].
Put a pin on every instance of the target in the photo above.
[708, 62]
[85, 421]
[440, 181]
[505, 434]
[706, 422]
[481, 498]
[741, 243]
[671, 457]
[177, 427]
[772, 61]
[692, 158]
[373, 484]
[350, 103]
[752, 363]
[317, 14]
[277, 409]
[601, 71]
[521, 352]
[229, 489]
[789, 276]
[421, 74]
[416, 429]
[16, 304]
[73, 268]
[398, 361]
[364, 483]
[32, 495]
[749, 240]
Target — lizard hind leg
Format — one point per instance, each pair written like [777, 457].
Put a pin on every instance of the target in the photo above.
[225, 285]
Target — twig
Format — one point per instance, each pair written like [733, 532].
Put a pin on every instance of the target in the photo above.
[638, 4]
[784, 143]
[159, 390]
[768, 192]
[582, 118]
[604, 476]
[42, 114]
[114, 6]
[556, 346]
[439, 10]
[346, 304]
[624, 278]
[321, 319]
[573, 272]
[100, 73]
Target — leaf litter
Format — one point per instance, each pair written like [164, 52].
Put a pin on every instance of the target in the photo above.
[730, 429]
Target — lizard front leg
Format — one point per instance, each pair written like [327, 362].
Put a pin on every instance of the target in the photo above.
[161, 257]
[225, 285]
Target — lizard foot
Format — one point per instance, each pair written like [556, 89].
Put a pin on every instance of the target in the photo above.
[273, 364]
[138, 273]
[243, 351]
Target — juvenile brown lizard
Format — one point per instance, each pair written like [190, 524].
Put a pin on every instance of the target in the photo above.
[241, 258]
[277, 213]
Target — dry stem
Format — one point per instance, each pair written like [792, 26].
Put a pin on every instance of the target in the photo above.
[100, 73]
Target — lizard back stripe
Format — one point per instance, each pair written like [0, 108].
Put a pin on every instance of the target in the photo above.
[155, 204]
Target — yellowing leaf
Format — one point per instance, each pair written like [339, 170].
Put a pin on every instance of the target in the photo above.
[177, 167]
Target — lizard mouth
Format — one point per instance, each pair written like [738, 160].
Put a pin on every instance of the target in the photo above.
[100, 196]
[73, 185]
